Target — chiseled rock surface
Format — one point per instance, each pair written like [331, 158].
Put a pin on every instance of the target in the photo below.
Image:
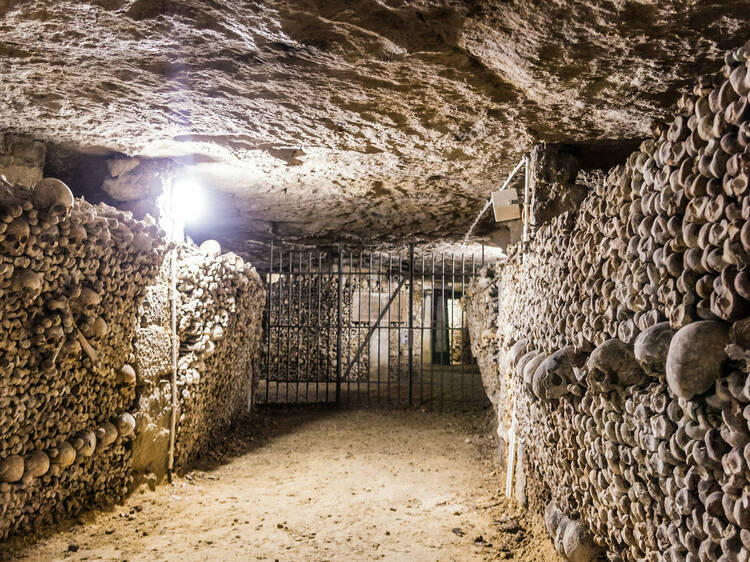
[375, 118]
[21, 159]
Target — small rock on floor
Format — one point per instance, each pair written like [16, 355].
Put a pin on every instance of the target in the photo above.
[507, 524]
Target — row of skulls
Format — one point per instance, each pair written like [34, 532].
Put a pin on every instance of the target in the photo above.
[23, 471]
[615, 328]
[71, 277]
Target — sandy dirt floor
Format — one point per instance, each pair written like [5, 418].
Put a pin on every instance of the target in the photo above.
[323, 485]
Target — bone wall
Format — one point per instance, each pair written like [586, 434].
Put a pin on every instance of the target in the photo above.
[481, 311]
[622, 344]
[85, 352]
[311, 301]
[71, 278]
[219, 327]
[219, 324]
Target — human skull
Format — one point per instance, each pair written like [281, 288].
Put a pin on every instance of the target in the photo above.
[96, 328]
[77, 236]
[105, 435]
[103, 236]
[578, 543]
[125, 424]
[552, 376]
[518, 350]
[64, 455]
[15, 237]
[651, 347]
[27, 284]
[100, 328]
[11, 468]
[520, 364]
[127, 375]
[50, 236]
[84, 443]
[612, 364]
[696, 357]
[55, 336]
[87, 302]
[549, 385]
[36, 464]
[52, 198]
[530, 368]
[211, 247]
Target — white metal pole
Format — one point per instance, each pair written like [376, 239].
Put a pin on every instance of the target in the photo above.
[511, 454]
[487, 205]
[175, 339]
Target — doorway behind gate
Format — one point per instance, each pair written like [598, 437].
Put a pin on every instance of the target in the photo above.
[368, 326]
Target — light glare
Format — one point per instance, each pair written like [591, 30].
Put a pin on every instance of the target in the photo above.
[187, 201]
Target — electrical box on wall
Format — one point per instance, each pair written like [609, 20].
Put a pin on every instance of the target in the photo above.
[506, 205]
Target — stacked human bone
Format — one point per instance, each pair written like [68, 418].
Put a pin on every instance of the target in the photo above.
[614, 330]
[219, 327]
[480, 304]
[304, 313]
[71, 277]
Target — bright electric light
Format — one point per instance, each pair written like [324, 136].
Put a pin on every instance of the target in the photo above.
[188, 200]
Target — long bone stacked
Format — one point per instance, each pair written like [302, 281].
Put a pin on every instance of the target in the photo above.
[613, 337]
[71, 276]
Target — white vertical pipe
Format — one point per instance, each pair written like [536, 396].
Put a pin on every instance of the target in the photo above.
[511, 454]
[175, 340]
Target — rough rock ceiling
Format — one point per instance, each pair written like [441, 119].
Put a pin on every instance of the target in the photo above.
[379, 119]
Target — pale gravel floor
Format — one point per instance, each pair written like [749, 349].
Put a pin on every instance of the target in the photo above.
[323, 485]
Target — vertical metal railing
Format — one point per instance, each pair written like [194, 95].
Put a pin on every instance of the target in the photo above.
[410, 334]
[423, 306]
[407, 345]
[339, 325]
[278, 330]
[269, 319]
[434, 333]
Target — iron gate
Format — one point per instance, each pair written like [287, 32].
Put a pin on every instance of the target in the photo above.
[356, 326]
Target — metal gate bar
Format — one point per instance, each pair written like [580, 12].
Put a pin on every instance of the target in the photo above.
[324, 344]
[372, 330]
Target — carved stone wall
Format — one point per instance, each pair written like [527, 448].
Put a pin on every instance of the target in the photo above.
[21, 159]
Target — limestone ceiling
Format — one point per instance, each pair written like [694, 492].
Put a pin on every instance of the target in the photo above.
[380, 119]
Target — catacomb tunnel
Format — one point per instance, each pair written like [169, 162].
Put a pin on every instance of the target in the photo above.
[324, 280]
